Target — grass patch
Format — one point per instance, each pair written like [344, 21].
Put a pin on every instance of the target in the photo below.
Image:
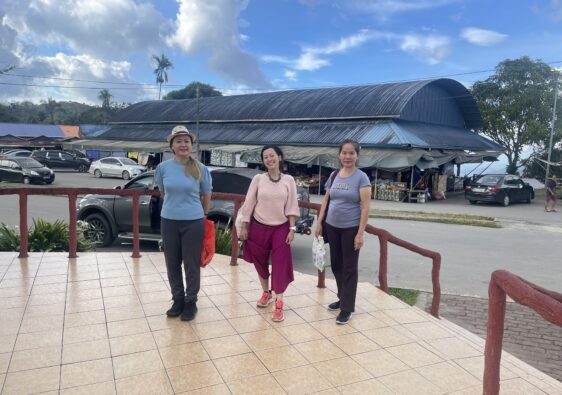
[444, 218]
[409, 296]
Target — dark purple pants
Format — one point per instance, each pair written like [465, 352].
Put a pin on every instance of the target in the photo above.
[264, 241]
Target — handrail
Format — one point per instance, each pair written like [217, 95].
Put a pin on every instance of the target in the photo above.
[502, 283]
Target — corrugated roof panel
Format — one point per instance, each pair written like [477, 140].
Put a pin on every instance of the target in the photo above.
[31, 130]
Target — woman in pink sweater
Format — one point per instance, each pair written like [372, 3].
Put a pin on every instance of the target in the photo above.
[268, 228]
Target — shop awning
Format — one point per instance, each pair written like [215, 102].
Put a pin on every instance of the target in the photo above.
[117, 145]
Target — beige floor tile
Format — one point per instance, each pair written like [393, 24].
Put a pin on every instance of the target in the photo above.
[107, 388]
[454, 348]
[380, 362]
[238, 310]
[136, 364]
[79, 334]
[297, 301]
[45, 310]
[81, 319]
[291, 318]
[448, 376]
[427, 330]
[194, 376]
[155, 309]
[366, 321]
[208, 314]
[475, 366]
[227, 299]
[414, 355]
[257, 385]
[5, 361]
[7, 342]
[387, 337]
[354, 343]
[342, 371]
[32, 381]
[128, 327]
[476, 390]
[162, 321]
[329, 328]
[319, 350]
[329, 391]
[252, 323]
[410, 382]
[35, 358]
[115, 281]
[148, 383]
[153, 297]
[84, 373]
[210, 330]
[239, 366]
[119, 291]
[83, 305]
[178, 335]
[518, 386]
[405, 315]
[261, 340]
[281, 358]
[131, 301]
[131, 344]
[36, 324]
[28, 341]
[85, 351]
[220, 389]
[313, 313]
[183, 354]
[300, 333]
[218, 289]
[123, 313]
[225, 346]
[372, 386]
[302, 380]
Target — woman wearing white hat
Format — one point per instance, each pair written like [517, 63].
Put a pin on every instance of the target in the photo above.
[185, 184]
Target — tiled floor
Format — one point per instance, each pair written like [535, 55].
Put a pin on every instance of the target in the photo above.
[96, 325]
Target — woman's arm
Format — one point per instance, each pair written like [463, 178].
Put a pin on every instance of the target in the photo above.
[365, 195]
[206, 203]
[321, 214]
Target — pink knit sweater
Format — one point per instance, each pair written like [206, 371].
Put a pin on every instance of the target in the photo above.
[271, 202]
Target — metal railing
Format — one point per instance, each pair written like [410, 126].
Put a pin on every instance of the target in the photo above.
[502, 283]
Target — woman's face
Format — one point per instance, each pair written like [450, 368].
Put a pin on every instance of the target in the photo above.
[181, 146]
[271, 159]
[348, 155]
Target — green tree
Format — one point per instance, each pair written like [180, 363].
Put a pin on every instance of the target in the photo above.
[105, 98]
[162, 65]
[52, 108]
[516, 105]
[190, 91]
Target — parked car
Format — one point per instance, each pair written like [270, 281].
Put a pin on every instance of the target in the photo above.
[499, 188]
[18, 153]
[111, 216]
[26, 170]
[56, 159]
[116, 167]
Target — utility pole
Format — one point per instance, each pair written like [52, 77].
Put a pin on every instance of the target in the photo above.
[197, 124]
[552, 126]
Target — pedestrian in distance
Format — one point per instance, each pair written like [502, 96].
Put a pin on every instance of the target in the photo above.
[349, 195]
[185, 184]
[550, 194]
[268, 228]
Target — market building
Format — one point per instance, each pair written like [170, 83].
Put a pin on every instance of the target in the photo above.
[412, 134]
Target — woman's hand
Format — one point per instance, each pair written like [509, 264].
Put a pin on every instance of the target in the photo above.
[358, 242]
[318, 230]
[290, 237]
[243, 232]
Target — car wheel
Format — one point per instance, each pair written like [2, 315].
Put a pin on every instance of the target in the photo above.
[26, 180]
[126, 175]
[472, 201]
[97, 173]
[505, 200]
[99, 230]
[82, 168]
[529, 198]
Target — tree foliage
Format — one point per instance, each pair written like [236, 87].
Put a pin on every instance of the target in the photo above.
[161, 70]
[190, 91]
[516, 105]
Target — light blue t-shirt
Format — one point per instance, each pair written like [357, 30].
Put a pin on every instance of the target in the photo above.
[345, 199]
[181, 192]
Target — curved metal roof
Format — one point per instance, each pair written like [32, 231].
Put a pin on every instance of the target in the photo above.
[342, 103]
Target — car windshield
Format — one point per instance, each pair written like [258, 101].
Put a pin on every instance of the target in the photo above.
[29, 163]
[489, 180]
[127, 161]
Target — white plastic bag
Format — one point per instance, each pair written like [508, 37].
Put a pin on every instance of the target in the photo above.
[319, 253]
[238, 221]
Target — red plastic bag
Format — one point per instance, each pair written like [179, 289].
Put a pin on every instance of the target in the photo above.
[208, 247]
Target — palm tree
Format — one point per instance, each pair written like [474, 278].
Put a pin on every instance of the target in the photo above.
[162, 64]
[105, 98]
[52, 107]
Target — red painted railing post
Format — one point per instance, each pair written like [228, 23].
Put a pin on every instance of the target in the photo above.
[72, 225]
[234, 242]
[383, 263]
[494, 338]
[136, 243]
[321, 279]
[436, 285]
[24, 235]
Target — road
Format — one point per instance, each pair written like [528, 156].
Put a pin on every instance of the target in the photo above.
[529, 244]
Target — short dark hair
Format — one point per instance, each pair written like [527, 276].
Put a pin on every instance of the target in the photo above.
[354, 143]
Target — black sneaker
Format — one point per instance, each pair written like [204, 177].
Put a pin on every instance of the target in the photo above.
[189, 311]
[343, 317]
[334, 306]
[176, 309]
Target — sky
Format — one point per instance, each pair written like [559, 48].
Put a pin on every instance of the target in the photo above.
[71, 49]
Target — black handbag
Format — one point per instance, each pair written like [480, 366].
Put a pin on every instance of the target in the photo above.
[324, 232]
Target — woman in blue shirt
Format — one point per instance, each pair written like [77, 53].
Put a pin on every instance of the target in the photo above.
[185, 184]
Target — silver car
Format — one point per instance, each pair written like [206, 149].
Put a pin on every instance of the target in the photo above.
[124, 168]
[110, 216]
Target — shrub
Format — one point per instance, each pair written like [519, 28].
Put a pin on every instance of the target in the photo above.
[9, 238]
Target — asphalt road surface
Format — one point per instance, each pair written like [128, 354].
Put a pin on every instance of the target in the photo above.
[528, 244]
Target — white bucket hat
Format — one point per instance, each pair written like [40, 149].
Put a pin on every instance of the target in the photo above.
[180, 130]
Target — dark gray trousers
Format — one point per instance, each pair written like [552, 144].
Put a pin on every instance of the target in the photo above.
[345, 264]
[181, 241]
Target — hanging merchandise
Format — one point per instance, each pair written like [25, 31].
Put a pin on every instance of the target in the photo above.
[319, 253]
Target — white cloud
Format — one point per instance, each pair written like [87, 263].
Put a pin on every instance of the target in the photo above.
[212, 26]
[430, 49]
[290, 75]
[482, 37]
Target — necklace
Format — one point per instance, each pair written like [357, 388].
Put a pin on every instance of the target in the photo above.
[272, 180]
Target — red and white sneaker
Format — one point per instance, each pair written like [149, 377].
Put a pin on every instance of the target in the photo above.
[265, 300]
[278, 312]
